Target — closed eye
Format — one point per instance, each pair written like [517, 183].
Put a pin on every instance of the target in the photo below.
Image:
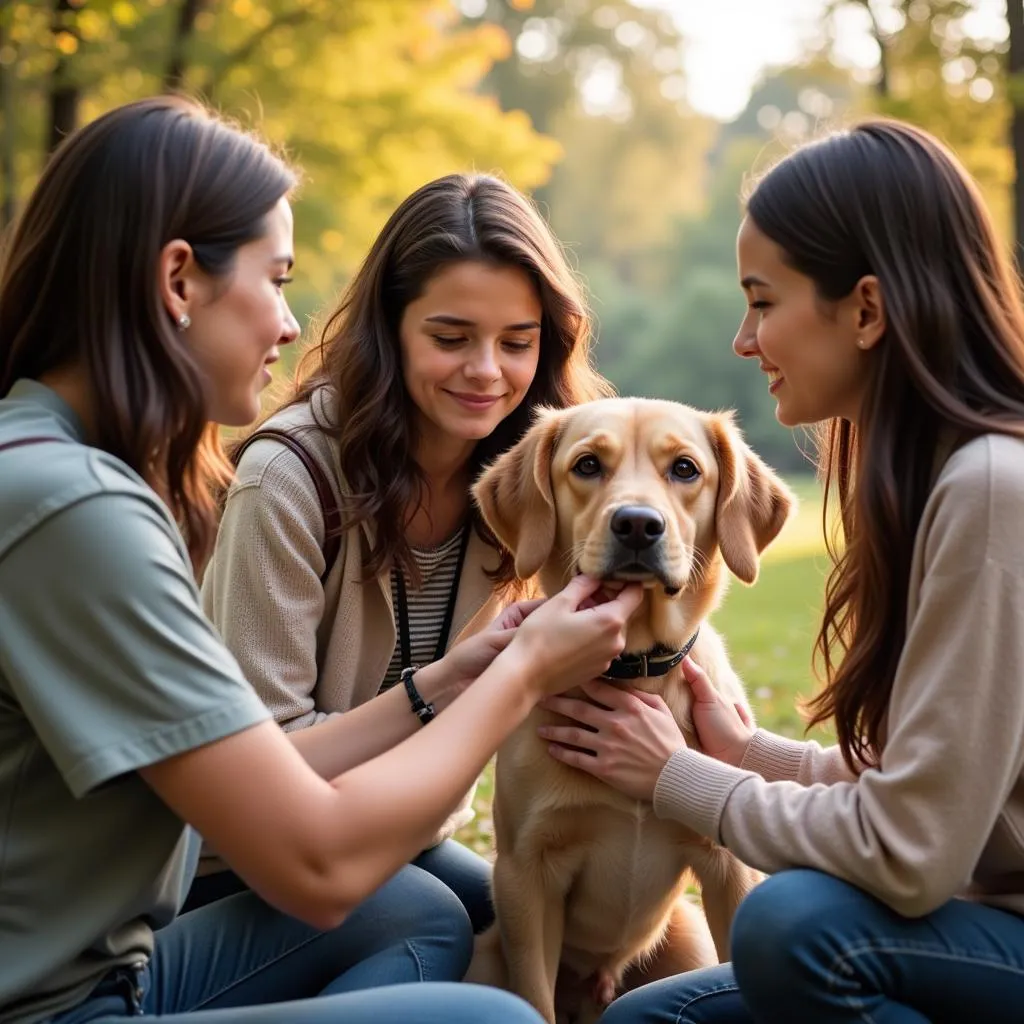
[516, 345]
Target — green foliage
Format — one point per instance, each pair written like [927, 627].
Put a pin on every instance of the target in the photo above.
[938, 70]
[372, 97]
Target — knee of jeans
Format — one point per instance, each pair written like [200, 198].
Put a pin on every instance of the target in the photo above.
[784, 910]
[444, 917]
[486, 1005]
[628, 1008]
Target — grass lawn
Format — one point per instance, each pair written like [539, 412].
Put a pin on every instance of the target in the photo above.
[769, 629]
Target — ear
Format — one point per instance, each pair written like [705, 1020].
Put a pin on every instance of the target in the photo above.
[868, 311]
[178, 278]
[753, 503]
[515, 498]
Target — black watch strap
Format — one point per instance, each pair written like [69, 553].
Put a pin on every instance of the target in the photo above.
[420, 708]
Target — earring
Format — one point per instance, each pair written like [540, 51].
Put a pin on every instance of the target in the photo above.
[184, 322]
[860, 342]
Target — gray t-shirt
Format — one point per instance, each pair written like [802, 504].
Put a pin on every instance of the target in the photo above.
[107, 664]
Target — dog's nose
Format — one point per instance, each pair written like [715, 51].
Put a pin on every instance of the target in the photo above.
[638, 526]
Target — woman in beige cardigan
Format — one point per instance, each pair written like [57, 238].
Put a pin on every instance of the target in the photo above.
[882, 307]
[343, 561]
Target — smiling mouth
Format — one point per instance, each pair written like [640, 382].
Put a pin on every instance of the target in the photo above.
[481, 401]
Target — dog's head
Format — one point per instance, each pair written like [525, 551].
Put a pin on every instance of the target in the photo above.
[633, 489]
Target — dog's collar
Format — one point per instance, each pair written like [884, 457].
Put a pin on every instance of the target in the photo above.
[655, 662]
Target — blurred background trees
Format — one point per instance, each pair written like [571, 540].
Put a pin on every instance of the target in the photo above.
[584, 103]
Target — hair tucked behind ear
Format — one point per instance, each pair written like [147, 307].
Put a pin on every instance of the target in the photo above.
[79, 283]
[887, 199]
[456, 218]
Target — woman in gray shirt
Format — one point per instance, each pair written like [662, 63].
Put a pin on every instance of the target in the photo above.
[140, 301]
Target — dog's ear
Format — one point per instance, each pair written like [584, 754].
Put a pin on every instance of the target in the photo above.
[515, 498]
[753, 503]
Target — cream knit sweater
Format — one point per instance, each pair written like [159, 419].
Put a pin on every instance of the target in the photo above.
[943, 814]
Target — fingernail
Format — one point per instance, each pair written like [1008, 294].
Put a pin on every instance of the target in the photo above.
[542, 730]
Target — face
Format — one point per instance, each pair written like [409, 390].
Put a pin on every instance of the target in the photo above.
[240, 322]
[470, 346]
[813, 353]
[641, 490]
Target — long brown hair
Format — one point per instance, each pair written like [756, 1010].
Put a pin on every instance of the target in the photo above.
[79, 283]
[888, 199]
[456, 218]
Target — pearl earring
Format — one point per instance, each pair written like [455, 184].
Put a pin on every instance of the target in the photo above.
[184, 322]
[860, 342]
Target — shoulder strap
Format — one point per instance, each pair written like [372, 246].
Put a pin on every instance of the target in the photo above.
[29, 440]
[324, 491]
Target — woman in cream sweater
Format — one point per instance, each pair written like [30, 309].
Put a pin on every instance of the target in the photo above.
[882, 308]
[340, 564]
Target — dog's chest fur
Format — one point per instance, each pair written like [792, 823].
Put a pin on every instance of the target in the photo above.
[585, 833]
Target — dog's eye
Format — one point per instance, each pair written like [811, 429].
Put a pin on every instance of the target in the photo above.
[685, 469]
[586, 466]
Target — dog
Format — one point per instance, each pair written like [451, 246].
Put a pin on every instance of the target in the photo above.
[589, 886]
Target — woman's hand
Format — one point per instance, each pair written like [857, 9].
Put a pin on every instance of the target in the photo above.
[624, 739]
[469, 658]
[723, 729]
[574, 635]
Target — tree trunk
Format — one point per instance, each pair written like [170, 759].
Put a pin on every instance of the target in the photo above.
[64, 94]
[882, 83]
[8, 182]
[174, 77]
[1015, 74]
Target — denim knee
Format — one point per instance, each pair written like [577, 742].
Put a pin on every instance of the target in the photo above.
[780, 912]
[480, 1004]
[420, 910]
[443, 917]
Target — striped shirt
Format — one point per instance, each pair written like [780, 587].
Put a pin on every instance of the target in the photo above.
[427, 605]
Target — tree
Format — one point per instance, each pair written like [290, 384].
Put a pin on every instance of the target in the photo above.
[372, 97]
[605, 78]
[937, 69]
[1015, 87]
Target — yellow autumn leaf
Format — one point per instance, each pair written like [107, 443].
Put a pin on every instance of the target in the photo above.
[124, 14]
[66, 43]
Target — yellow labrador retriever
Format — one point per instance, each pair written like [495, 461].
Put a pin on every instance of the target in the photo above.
[587, 882]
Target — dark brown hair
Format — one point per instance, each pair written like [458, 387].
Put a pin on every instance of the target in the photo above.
[456, 218]
[886, 198]
[79, 283]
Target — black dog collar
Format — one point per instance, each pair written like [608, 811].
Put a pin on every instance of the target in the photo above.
[655, 662]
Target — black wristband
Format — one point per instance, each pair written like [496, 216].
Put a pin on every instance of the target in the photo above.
[420, 708]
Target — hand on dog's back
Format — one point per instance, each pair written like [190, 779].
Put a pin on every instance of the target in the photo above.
[566, 643]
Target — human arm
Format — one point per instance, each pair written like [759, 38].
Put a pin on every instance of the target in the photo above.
[912, 830]
[316, 848]
[625, 736]
[146, 685]
[727, 734]
[341, 742]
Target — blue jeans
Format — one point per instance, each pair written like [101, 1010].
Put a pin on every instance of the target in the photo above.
[808, 947]
[239, 961]
[466, 873]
